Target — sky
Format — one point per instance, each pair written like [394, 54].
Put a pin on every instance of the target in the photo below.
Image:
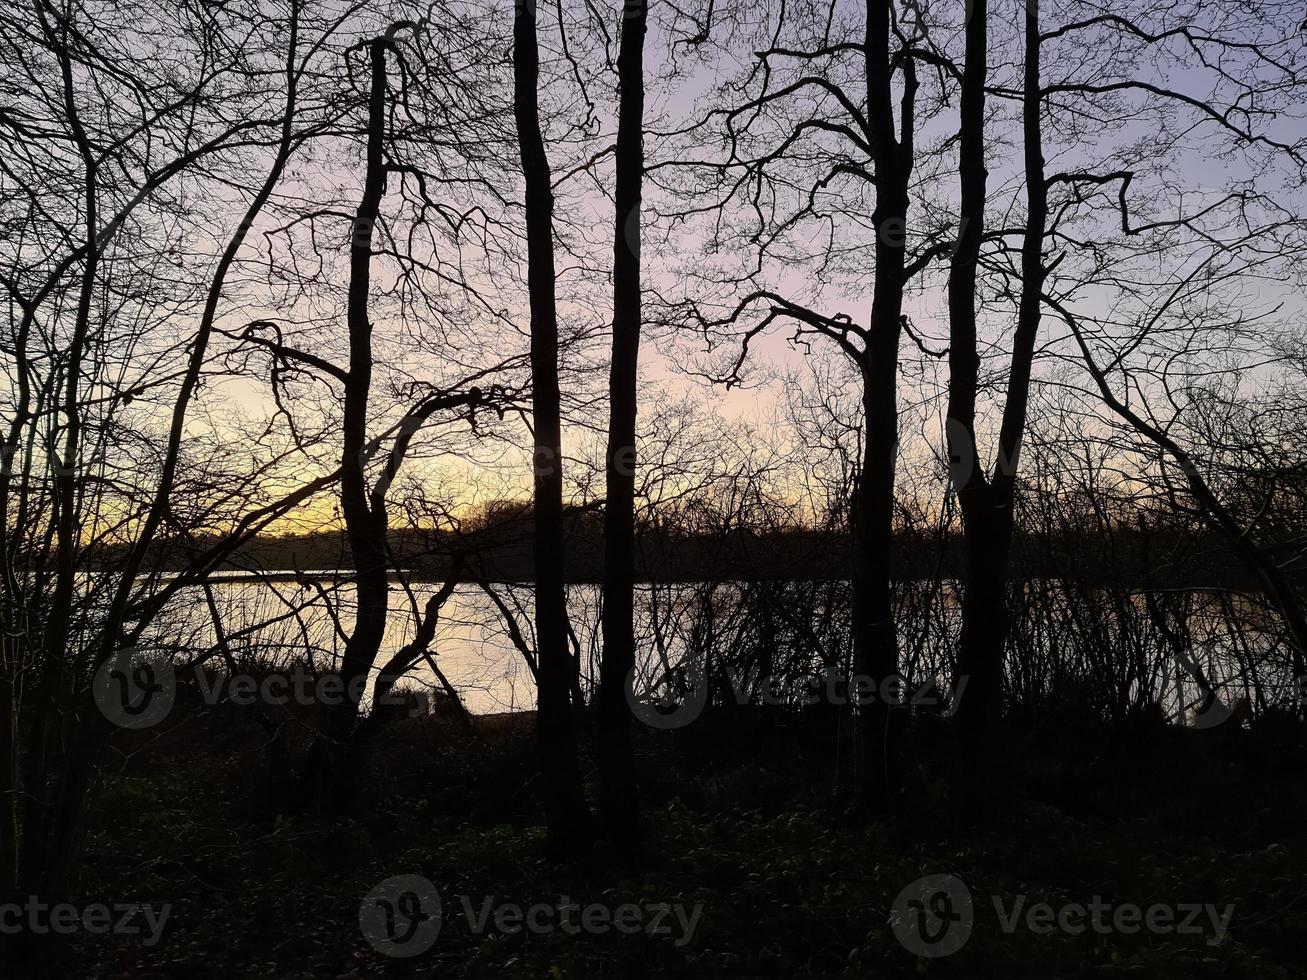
[682, 88]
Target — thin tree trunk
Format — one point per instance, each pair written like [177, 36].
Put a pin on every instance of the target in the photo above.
[12, 620]
[566, 811]
[618, 797]
[52, 845]
[988, 505]
[329, 766]
[8, 769]
[875, 640]
[52, 690]
[419, 648]
[980, 652]
[995, 545]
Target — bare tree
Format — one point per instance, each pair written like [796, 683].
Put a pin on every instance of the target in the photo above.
[564, 802]
[819, 149]
[617, 775]
[104, 217]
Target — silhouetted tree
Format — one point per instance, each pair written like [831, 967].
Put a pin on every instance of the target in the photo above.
[564, 801]
[618, 790]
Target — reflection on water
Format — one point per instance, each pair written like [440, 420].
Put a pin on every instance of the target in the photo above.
[781, 628]
[281, 622]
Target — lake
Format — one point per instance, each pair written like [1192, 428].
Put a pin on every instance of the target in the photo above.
[789, 627]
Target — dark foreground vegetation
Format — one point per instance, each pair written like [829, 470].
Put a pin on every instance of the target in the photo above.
[741, 818]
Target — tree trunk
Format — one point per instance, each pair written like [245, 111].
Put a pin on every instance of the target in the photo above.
[53, 691]
[51, 846]
[618, 799]
[8, 771]
[566, 811]
[983, 620]
[329, 766]
[987, 529]
[875, 641]
[988, 505]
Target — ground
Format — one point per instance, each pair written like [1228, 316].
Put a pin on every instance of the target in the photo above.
[791, 883]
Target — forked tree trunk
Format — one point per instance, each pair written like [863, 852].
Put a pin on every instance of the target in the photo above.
[988, 502]
[329, 768]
